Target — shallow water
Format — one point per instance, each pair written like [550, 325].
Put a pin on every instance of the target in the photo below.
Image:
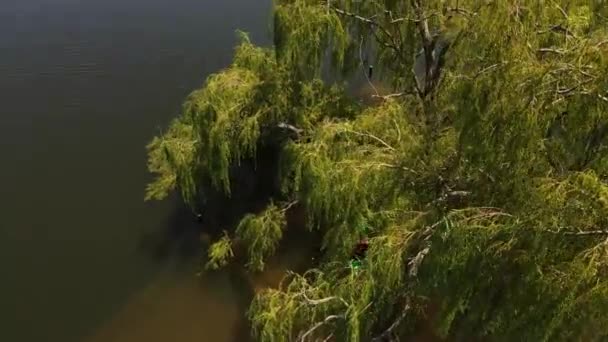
[84, 85]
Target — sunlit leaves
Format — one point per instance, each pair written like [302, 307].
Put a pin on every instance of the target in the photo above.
[486, 199]
[220, 253]
[262, 234]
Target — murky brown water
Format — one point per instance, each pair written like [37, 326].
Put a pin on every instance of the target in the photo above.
[178, 306]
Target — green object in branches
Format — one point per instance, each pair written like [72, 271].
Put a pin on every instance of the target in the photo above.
[364, 228]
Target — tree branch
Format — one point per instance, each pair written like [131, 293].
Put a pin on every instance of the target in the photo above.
[363, 67]
[289, 127]
[327, 320]
[392, 166]
[323, 300]
[580, 233]
[390, 96]
[416, 261]
[423, 28]
[551, 50]
[372, 23]
[372, 137]
[289, 205]
[386, 334]
[598, 45]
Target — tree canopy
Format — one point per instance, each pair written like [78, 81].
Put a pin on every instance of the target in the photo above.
[481, 179]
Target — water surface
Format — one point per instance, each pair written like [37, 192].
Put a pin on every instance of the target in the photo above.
[84, 85]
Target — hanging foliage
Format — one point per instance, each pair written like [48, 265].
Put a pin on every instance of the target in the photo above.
[481, 175]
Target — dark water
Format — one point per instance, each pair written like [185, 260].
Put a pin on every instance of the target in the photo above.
[84, 85]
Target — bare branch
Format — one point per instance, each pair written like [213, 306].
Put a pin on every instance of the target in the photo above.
[322, 300]
[355, 16]
[327, 320]
[390, 96]
[328, 337]
[386, 334]
[558, 29]
[289, 127]
[416, 261]
[289, 206]
[600, 44]
[488, 69]
[460, 10]
[562, 11]
[362, 67]
[423, 28]
[414, 20]
[580, 233]
[398, 167]
[372, 137]
[551, 50]
[372, 23]
[573, 88]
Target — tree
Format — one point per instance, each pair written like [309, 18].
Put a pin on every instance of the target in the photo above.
[481, 179]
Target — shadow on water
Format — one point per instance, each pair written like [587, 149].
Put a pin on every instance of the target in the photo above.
[178, 239]
[252, 186]
[182, 307]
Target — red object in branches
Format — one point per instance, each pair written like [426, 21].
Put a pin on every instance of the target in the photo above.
[361, 248]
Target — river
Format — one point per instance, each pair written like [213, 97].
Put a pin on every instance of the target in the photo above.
[84, 85]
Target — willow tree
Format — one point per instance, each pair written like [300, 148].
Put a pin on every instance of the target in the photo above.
[480, 179]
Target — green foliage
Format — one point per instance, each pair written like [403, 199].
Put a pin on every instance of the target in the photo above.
[220, 253]
[262, 233]
[172, 156]
[486, 194]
